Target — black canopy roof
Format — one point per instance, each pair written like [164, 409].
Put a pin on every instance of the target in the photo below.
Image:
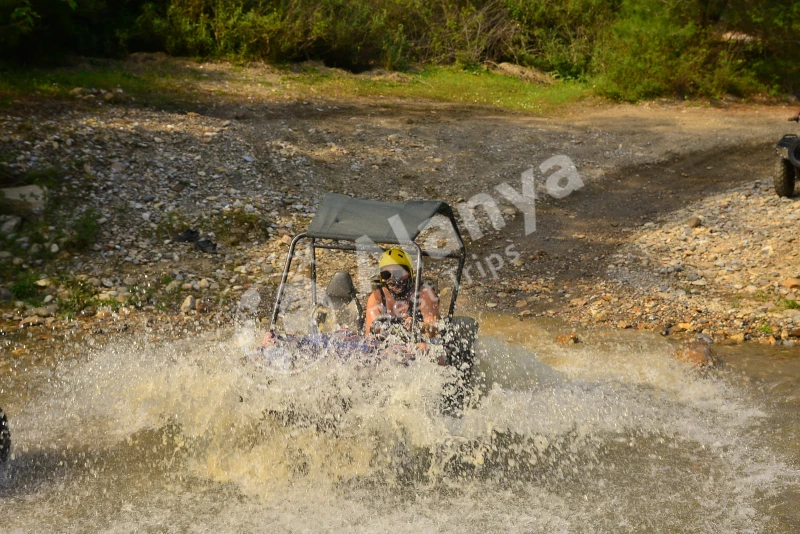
[348, 218]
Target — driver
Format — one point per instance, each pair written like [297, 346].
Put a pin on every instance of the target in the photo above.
[393, 297]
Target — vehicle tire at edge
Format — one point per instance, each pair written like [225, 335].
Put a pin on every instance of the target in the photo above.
[459, 341]
[5, 437]
[784, 178]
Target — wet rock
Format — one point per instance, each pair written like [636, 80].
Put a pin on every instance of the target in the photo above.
[738, 338]
[568, 339]
[46, 311]
[33, 320]
[189, 304]
[697, 353]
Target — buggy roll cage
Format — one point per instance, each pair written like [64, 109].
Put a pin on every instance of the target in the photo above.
[347, 223]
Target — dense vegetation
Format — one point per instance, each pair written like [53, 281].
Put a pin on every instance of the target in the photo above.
[628, 49]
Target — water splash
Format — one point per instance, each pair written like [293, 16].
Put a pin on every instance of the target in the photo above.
[611, 435]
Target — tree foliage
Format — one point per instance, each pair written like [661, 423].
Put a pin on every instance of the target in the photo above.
[629, 48]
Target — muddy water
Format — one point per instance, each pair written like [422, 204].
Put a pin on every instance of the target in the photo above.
[610, 435]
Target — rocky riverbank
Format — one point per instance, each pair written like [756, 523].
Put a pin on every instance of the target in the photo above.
[111, 247]
[726, 266]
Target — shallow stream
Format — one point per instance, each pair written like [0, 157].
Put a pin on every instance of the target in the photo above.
[608, 435]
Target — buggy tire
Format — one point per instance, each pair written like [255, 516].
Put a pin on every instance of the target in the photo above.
[5, 437]
[459, 336]
[784, 178]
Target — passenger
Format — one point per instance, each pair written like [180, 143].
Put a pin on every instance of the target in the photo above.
[393, 299]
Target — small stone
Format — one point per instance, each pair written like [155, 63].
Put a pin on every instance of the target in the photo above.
[521, 303]
[491, 304]
[188, 304]
[117, 167]
[791, 283]
[12, 224]
[568, 339]
[54, 248]
[200, 306]
[601, 316]
[5, 294]
[130, 281]
[204, 283]
[48, 299]
[694, 221]
[44, 282]
[103, 314]
[738, 338]
[33, 320]
[173, 286]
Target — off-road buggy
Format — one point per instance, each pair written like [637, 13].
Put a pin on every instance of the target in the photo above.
[334, 319]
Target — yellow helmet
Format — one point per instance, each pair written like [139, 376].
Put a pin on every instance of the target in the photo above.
[396, 256]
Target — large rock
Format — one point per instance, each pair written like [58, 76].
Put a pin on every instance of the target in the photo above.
[26, 201]
[524, 73]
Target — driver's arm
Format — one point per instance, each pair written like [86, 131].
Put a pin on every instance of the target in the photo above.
[429, 307]
[374, 310]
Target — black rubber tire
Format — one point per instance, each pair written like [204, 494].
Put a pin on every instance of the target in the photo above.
[784, 178]
[794, 153]
[5, 437]
[459, 336]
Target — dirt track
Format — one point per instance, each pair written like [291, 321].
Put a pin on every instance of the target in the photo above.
[638, 163]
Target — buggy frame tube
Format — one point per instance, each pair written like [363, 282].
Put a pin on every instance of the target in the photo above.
[284, 276]
[461, 256]
[313, 274]
[462, 259]
[417, 282]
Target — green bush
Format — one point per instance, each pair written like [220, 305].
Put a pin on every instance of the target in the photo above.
[651, 51]
[631, 49]
[86, 231]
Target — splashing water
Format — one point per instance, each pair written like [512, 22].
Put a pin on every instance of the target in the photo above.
[185, 437]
